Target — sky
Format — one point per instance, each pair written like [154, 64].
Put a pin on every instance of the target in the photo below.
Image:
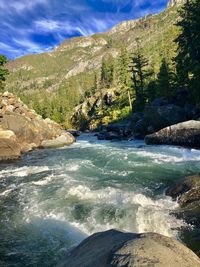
[36, 26]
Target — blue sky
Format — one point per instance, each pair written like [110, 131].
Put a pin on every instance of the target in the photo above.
[35, 26]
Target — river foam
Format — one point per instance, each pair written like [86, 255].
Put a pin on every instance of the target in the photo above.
[54, 198]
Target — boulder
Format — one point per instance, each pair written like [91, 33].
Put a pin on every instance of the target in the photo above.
[165, 115]
[9, 148]
[86, 115]
[63, 140]
[186, 190]
[182, 134]
[29, 128]
[74, 132]
[115, 248]
[156, 117]
[109, 136]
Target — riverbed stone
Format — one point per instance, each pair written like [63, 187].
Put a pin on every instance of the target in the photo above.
[182, 134]
[186, 190]
[63, 140]
[115, 248]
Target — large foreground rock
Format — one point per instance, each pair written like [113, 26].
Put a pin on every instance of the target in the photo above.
[29, 128]
[115, 248]
[182, 134]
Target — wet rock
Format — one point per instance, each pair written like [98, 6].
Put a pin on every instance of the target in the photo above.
[158, 102]
[75, 133]
[63, 140]
[186, 190]
[182, 134]
[109, 136]
[115, 248]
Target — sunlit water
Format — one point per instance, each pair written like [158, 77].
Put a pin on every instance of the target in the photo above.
[53, 199]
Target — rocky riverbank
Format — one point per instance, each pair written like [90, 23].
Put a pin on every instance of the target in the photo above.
[115, 248]
[22, 129]
[157, 115]
[187, 192]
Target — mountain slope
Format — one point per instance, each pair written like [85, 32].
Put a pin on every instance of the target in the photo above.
[70, 67]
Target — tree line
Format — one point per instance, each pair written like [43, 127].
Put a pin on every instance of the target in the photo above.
[133, 74]
[136, 79]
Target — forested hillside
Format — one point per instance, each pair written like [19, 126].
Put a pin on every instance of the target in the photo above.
[56, 81]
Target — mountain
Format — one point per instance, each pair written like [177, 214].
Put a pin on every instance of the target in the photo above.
[176, 3]
[64, 74]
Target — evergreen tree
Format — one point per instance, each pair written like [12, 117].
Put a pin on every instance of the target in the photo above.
[151, 91]
[95, 85]
[124, 77]
[107, 72]
[164, 81]
[3, 72]
[188, 57]
[139, 75]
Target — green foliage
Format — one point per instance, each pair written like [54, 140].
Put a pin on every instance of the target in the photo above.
[152, 72]
[165, 81]
[188, 56]
[140, 73]
[123, 76]
[107, 72]
[3, 72]
[47, 84]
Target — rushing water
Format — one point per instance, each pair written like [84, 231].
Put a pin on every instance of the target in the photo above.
[53, 199]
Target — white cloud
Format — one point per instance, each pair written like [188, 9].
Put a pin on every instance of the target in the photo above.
[26, 23]
[24, 4]
[47, 25]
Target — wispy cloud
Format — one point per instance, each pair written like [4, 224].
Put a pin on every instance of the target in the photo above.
[39, 25]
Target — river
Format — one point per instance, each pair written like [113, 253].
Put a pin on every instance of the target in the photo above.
[53, 199]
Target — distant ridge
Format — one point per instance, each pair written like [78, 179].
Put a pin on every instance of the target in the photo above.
[176, 3]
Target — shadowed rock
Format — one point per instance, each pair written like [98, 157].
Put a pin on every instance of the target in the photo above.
[115, 248]
[182, 134]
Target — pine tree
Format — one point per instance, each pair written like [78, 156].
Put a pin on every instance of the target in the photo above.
[3, 72]
[151, 91]
[124, 77]
[139, 75]
[107, 72]
[165, 81]
[95, 85]
[188, 57]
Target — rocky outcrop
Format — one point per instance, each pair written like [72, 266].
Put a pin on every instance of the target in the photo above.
[9, 148]
[87, 115]
[22, 129]
[176, 3]
[155, 117]
[182, 134]
[187, 192]
[115, 248]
